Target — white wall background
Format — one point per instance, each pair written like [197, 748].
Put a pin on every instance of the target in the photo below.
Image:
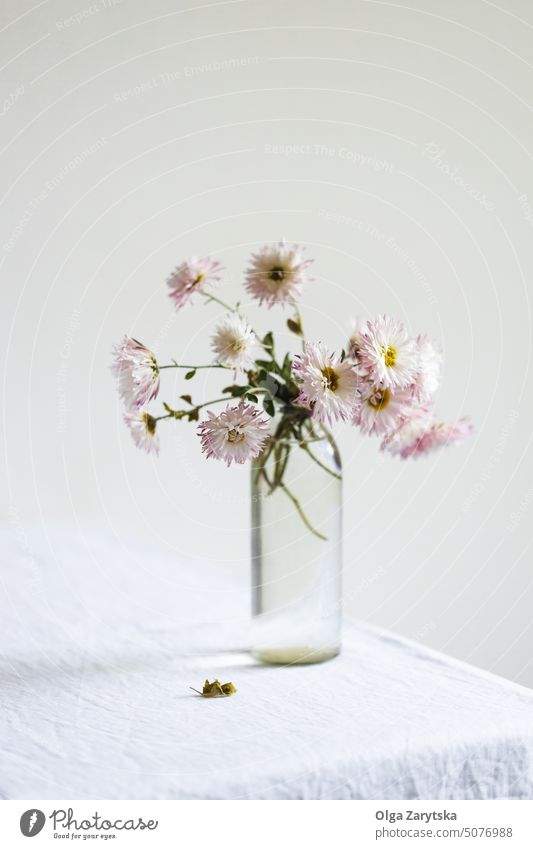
[126, 148]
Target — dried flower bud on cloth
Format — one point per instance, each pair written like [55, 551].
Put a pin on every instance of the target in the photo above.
[216, 690]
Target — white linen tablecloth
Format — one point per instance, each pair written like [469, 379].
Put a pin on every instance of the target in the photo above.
[102, 637]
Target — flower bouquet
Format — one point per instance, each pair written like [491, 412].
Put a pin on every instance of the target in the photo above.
[277, 414]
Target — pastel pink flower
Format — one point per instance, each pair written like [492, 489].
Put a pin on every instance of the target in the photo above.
[387, 355]
[409, 431]
[137, 372]
[276, 273]
[196, 275]
[236, 435]
[427, 379]
[143, 430]
[328, 387]
[381, 410]
[438, 435]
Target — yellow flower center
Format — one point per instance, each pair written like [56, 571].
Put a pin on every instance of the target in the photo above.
[237, 345]
[277, 274]
[235, 435]
[389, 356]
[198, 279]
[331, 379]
[379, 399]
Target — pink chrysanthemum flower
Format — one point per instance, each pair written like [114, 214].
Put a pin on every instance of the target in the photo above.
[409, 431]
[436, 436]
[381, 410]
[143, 430]
[327, 386]
[234, 343]
[196, 275]
[427, 379]
[137, 372]
[236, 435]
[387, 355]
[276, 273]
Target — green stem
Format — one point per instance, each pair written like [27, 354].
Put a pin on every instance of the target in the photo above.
[178, 365]
[193, 408]
[218, 301]
[306, 448]
[303, 517]
[214, 401]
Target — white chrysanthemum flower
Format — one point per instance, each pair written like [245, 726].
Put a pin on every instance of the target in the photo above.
[427, 379]
[235, 343]
[387, 355]
[381, 410]
[196, 275]
[143, 430]
[276, 273]
[236, 435]
[137, 372]
[327, 386]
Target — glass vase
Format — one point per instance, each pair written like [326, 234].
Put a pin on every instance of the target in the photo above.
[296, 496]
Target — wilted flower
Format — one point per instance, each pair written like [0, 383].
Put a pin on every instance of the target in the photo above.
[276, 273]
[234, 343]
[381, 409]
[387, 355]
[137, 372]
[143, 430]
[196, 275]
[236, 435]
[327, 386]
[359, 326]
[437, 435]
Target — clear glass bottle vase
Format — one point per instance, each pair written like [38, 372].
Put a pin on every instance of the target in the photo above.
[296, 496]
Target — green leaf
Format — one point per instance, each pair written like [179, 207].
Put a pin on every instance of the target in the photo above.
[286, 368]
[268, 340]
[294, 326]
[186, 398]
[194, 415]
[190, 374]
[235, 391]
[267, 365]
[268, 406]
[252, 397]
